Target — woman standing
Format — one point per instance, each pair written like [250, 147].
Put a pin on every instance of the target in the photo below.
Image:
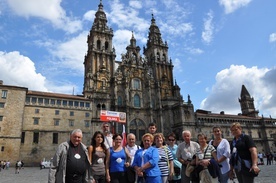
[146, 161]
[206, 156]
[177, 165]
[222, 147]
[165, 162]
[244, 156]
[117, 161]
[97, 154]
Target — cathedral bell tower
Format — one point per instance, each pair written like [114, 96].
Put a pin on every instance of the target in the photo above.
[156, 54]
[247, 104]
[99, 62]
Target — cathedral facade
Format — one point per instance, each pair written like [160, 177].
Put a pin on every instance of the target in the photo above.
[33, 123]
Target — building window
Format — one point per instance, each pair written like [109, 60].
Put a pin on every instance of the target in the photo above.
[71, 122]
[46, 101]
[87, 105]
[55, 138]
[36, 111]
[58, 102]
[40, 101]
[34, 99]
[2, 105]
[36, 121]
[22, 137]
[86, 123]
[136, 101]
[120, 102]
[71, 113]
[70, 103]
[56, 122]
[35, 137]
[1, 118]
[81, 104]
[2, 148]
[56, 112]
[28, 100]
[76, 104]
[4, 93]
[136, 84]
[64, 102]
[53, 101]
[87, 114]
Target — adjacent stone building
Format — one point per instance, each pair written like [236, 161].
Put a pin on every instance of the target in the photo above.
[33, 123]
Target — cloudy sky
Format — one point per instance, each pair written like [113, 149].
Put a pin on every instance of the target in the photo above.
[216, 45]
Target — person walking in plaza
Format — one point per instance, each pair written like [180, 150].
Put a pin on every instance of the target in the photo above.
[70, 162]
[244, 160]
[165, 162]
[18, 165]
[108, 141]
[222, 147]
[146, 162]
[97, 153]
[185, 152]
[176, 164]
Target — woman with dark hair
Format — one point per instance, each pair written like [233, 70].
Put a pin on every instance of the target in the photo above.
[97, 154]
[117, 161]
[222, 147]
[177, 165]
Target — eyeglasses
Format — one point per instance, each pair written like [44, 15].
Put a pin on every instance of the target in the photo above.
[118, 139]
[105, 126]
[171, 139]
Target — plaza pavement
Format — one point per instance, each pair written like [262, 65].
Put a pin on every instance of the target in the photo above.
[35, 175]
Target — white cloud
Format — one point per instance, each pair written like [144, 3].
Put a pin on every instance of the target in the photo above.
[135, 4]
[207, 34]
[272, 37]
[19, 70]
[232, 5]
[70, 54]
[260, 83]
[49, 10]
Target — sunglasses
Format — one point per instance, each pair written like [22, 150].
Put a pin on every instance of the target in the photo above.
[171, 139]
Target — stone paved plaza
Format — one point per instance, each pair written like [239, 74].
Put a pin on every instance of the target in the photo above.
[35, 175]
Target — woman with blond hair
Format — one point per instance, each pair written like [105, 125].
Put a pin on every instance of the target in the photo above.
[146, 162]
[165, 162]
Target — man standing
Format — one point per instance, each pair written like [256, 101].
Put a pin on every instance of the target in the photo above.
[108, 142]
[70, 162]
[185, 152]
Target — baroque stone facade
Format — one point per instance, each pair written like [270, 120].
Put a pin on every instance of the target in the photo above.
[33, 123]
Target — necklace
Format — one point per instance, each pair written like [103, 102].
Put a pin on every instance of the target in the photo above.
[77, 153]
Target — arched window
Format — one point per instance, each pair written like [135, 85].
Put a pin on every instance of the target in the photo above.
[137, 101]
[98, 44]
[136, 84]
[106, 45]
[120, 102]
[158, 56]
[138, 128]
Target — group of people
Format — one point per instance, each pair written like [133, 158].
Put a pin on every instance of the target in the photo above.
[4, 164]
[154, 160]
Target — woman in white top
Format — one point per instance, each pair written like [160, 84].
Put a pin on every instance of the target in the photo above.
[223, 153]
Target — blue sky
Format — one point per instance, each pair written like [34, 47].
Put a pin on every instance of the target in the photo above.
[215, 45]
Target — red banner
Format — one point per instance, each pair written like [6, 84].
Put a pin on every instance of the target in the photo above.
[119, 117]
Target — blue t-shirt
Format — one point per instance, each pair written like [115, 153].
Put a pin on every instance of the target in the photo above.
[117, 160]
